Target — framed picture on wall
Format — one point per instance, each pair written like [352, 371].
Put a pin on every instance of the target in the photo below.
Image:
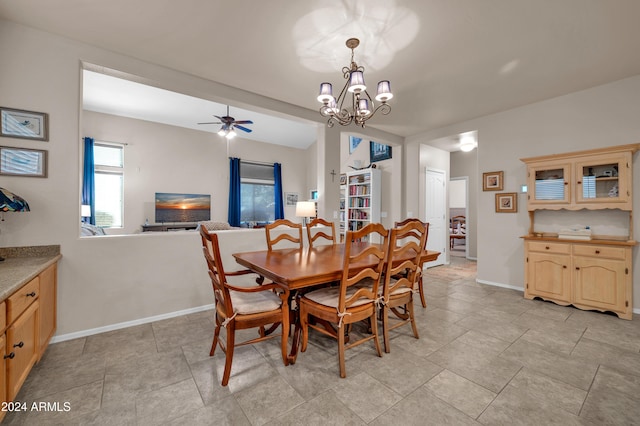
[23, 162]
[379, 152]
[16, 123]
[353, 143]
[507, 202]
[291, 198]
[492, 181]
[343, 179]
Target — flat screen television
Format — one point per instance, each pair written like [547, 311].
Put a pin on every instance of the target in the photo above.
[189, 208]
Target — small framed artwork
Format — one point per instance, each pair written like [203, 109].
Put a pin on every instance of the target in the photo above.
[507, 202]
[353, 143]
[16, 123]
[343, 179]
[23, 162]
[291, 198]
[379, 152]
[492, 181]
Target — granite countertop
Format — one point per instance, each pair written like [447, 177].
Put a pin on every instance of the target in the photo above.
[22, 264]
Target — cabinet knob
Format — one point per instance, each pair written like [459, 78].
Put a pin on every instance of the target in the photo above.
[597, 251]
[579, 182]
[10, 356]
[546, 247]
[32, 294]
[18, 345]
[564, 266]
[577, 268]
[567, 183]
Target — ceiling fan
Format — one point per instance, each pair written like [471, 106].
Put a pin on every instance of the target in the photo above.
[229, 124]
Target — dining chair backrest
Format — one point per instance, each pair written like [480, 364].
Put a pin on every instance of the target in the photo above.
[315, 234]
[405, 242]
[458, 224]
[356, 252]
[414, 233]
[211, 250]
[417, 237]
[292, 232]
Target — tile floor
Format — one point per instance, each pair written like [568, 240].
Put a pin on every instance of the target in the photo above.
[485, 356]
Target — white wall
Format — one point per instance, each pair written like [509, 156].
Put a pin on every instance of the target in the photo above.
[606, 115]
[457, 194]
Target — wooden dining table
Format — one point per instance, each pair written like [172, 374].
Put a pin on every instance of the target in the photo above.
[299, 269]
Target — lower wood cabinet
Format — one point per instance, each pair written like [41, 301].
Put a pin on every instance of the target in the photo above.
[589, 275]
[27, 323]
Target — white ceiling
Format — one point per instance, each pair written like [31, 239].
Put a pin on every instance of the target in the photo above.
[448, 61]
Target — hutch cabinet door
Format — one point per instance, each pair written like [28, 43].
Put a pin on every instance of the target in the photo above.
[603, 179]
[549, 185]
[600, 283]
[549, 276]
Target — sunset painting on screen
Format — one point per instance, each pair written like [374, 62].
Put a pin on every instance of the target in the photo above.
[182, 207]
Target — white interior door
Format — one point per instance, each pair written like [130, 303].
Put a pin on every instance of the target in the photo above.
[435, 214]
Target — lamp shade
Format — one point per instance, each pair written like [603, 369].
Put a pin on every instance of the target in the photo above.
[356, 82]
[10, 202]
[305, 208]
[363, 107]
[384, 91]
[326, 93]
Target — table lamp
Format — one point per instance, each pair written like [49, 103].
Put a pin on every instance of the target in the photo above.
[305, 209]
[10, 202]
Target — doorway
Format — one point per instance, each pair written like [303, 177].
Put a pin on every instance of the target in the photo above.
[435, 213]
[458, 214]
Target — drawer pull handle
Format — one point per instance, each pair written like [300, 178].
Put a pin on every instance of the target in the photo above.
[577, 268]
[18, 345]
[10, 356]
[597, 251]
[32, 294]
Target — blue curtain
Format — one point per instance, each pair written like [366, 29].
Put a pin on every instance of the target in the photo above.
[88, 181]
[277, 175]
[234, 192]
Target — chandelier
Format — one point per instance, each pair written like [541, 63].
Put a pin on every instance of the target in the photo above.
[362, 107]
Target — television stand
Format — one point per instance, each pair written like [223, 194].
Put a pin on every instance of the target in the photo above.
[169, 227]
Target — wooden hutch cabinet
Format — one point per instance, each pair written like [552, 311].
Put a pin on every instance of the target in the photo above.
[595, 272]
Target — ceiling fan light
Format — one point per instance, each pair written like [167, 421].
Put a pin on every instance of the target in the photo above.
[356, 82]
[231, 134]
[384, 91]
[222, 131]
[326, 93]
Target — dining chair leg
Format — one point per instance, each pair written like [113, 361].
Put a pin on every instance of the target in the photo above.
[216, 336]
[385, 328]
[341, 363]
[374, 329]
[421, 289]
[304, 325]
[413, 319]
[231, 337]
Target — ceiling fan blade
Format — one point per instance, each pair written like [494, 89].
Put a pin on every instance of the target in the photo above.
[213, 122]
[244, 129]
[244, 122]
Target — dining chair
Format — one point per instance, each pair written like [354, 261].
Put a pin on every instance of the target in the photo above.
[293, 233]
[423, 299]
[400, 279]
[356, 297]
[320, 233]
[241, 304]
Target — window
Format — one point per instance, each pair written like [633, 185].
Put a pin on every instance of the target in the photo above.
[257, 193]
[109, 180]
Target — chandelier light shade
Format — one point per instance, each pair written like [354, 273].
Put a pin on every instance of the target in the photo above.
[10, 202]
[361, 106]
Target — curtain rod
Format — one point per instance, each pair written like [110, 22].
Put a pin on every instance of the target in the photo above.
[264, 163]
[104, 141]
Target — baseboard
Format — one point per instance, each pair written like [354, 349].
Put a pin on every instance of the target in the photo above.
[510, 287]
[121, 325]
